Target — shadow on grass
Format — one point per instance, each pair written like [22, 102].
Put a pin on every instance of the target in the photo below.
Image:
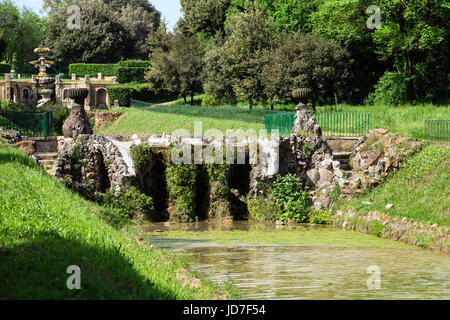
[10, 154]
[36, 269]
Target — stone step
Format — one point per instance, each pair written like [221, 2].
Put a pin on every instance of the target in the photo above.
[46, 155]
[46, 162]
[341, 155]
[346, 167]
[51, 170]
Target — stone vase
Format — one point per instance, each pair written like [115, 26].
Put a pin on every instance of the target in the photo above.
[77, 123]
[302, 94]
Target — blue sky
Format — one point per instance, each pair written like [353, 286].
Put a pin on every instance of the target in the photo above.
[170, 9]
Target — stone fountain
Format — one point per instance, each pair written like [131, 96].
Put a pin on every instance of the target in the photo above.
[77, 123]
[46, 83]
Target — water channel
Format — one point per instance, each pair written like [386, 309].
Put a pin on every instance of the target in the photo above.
[306, 262]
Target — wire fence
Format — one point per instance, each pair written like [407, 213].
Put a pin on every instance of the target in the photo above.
[437, 129]
[28, 123]
[333, 123]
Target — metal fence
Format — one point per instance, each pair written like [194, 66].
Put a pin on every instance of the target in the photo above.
[139, 104]
[27, 123]
[333, 123]
[437, 129]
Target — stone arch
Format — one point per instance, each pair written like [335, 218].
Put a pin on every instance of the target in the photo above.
[102, 180]
[101, 98]
[66, 95]
[12, 95]
[25, 94]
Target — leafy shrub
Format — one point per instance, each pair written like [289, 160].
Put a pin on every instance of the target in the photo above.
[12, 106]
[210, 101]
[294, 202]
[93, 69]
[390, 89]
[131, 203]
[181, 183]
[376, 228]
[5, 68]
[131, 74]
[322, 216]
[262, 209]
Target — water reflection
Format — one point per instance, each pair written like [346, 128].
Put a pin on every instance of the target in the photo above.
[315, 272]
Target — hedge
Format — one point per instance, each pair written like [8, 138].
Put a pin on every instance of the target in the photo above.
[125, 92]
[137, 91]
[93, 69]
[134, 64]
[131, 74]
[5, 68]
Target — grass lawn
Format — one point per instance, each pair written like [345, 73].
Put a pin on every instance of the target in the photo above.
[160, 119]
[45, 228]
[420, 190]
[408, 120]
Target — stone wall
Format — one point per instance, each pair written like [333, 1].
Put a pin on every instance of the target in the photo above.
[94, 164]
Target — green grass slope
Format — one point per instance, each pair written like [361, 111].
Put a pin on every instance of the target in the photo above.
[420, 190]
[45, 228]
[160, 119]
[408, 120]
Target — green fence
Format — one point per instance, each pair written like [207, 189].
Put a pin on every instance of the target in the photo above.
[28, 124]
[437, 129]
[283, 122]
[139, 104]
[333, 123]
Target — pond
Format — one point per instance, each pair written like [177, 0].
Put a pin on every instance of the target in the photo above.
[306, 262]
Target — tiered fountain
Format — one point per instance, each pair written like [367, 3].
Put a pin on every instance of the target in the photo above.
[46, 83]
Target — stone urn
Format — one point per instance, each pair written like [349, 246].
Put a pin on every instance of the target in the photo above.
[302, 94]
[304, 123]
[77, 122]
[47, 85]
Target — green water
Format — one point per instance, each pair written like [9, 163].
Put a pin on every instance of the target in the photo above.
[304, 262]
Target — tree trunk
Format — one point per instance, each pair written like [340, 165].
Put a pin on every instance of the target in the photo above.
[192, 98]
[185, 100]
[336, 98]
[272, 106]
[409, 72]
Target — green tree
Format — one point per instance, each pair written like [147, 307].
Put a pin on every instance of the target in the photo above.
[305, 60]
[32, 28]
[9, 20]
[289, 15]
[413, 38]
[101, 38]
[205, 16]
[413, 30]
[217, 82]
[110, 31]
[177, 66]
[138, 24]
[249, 36]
